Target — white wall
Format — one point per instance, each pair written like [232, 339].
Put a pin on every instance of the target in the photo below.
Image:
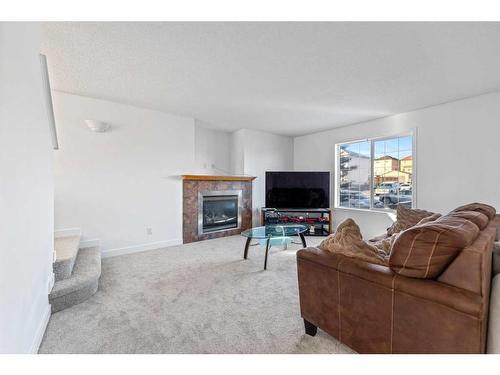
[237, 153]
[263, 152]
[243, 152]
[116, 184]
[26, 192]
[457, 155]
[212, 150]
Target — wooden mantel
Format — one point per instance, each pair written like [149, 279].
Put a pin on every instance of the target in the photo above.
[197, 177]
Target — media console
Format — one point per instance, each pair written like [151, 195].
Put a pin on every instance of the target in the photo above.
[318, 220]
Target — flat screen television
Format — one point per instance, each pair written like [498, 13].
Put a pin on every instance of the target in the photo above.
[297, 189]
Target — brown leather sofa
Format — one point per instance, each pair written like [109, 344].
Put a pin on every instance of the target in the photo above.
[380, 309]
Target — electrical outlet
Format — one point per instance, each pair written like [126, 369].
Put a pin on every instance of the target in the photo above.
[149, 231]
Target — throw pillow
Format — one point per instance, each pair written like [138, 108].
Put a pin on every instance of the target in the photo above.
[348, 241]
[428, 219]
[478, 207]
[478, 218]
[406, 218]
[424, 251]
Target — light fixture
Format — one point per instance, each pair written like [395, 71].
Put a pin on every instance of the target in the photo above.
[48, 102]
[97, 126]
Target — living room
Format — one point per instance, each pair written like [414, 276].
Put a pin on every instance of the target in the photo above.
[202, 187]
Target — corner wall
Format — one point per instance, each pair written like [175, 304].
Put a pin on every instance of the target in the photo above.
[212, 150]
[457, 155]
[262, 152]
[26, 192]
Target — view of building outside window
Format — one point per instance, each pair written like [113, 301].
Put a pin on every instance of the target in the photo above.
[389, 174]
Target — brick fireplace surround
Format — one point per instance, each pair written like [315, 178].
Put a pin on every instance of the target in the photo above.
[193, 184]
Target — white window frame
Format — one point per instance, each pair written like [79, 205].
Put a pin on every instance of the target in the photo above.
[412, 133]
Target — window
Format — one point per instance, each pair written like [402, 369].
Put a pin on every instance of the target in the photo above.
[376, 173]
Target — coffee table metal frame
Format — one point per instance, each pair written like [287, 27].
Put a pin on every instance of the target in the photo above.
[298, 230]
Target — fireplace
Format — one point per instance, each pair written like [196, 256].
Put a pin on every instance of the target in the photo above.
[215, 206]
[219, 211]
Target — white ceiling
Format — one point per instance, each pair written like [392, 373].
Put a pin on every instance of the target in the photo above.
[286, 78]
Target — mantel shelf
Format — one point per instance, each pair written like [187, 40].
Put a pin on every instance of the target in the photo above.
[194, 177]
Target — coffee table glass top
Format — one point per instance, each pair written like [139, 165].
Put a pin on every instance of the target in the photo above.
[275, 230]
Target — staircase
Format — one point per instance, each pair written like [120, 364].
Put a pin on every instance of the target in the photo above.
[77, 272]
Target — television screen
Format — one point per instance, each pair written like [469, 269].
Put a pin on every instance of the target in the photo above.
[297, 189]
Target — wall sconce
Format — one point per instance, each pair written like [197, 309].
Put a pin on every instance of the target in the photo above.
[97, 126]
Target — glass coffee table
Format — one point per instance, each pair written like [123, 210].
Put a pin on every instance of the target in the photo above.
[273, 231]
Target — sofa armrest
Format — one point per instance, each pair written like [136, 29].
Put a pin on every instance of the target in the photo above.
[443, 294]
[316, 255]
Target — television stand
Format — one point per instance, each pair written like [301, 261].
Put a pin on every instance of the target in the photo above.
[318, 220]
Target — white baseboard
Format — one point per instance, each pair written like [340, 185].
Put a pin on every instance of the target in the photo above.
[52, 280]
[67, 232]
[37, 340]
[90, 243]
[138, 248]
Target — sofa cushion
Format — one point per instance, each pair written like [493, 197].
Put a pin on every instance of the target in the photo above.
[385, 244]
[478, 207]
[428, 219]
[380, 237]
[406, 218]
[478, 218]
[424, 251]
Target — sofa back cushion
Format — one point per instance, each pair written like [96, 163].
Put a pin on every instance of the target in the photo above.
[428, 219]
[424, 251]
[478, 207]
[407, 218]
[478, 218]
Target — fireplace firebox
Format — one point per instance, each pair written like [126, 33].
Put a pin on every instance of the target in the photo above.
[219, 210]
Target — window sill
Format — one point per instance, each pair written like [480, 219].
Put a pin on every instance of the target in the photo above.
[375, 210]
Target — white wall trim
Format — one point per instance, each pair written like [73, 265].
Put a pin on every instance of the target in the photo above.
[138, 248]
[40, 331]
[90, 243]
[67, 232]
[51, 282]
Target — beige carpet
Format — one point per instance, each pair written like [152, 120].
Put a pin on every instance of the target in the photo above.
[196, 298]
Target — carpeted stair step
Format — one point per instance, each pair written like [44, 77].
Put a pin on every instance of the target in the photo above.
[82, 283]
[66, 249]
